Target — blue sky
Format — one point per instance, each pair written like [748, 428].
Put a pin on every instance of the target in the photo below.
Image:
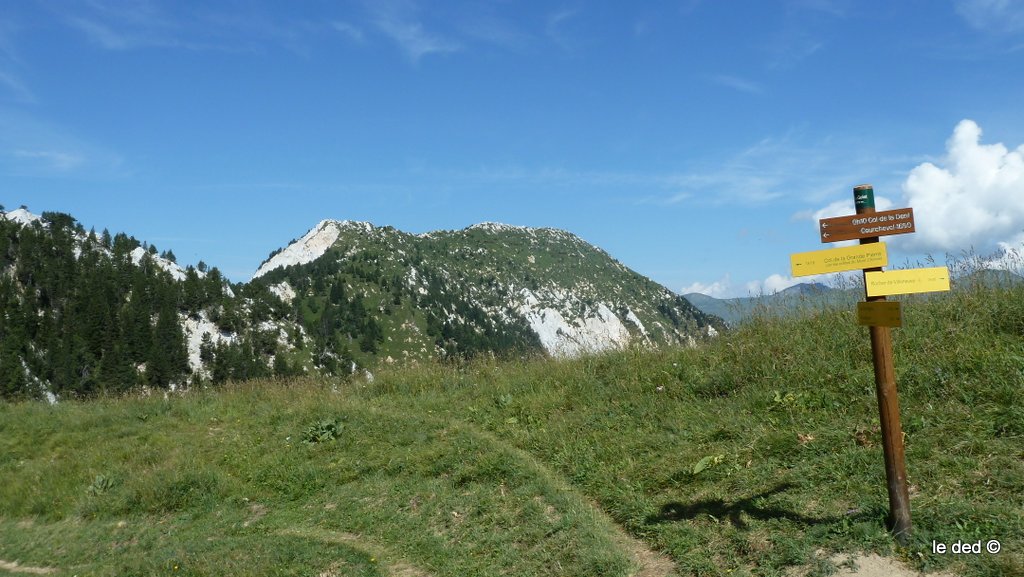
[697, 142]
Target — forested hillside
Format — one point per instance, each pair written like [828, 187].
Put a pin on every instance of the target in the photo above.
[83, 313]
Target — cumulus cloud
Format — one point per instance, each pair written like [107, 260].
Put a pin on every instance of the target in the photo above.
[840, 208]
[973, 199]
[718, 289]
[845, 207]
[778, 282]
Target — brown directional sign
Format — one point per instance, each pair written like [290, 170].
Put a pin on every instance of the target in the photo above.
[855, 226]
[879, 314]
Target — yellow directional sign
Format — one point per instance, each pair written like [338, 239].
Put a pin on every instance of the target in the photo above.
[879, 314]
[839, 259]
[901, 282]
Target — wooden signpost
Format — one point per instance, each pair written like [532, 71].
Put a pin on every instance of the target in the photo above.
[879, 315]
[857, 226]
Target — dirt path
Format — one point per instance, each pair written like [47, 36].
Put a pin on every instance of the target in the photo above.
[386, 560]
[648, 563]
[877, 566]
[871, 565]
[14, 567]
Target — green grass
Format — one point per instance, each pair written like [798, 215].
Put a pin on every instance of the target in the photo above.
[746, 456]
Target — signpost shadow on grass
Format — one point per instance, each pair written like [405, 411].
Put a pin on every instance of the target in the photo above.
[734, 511]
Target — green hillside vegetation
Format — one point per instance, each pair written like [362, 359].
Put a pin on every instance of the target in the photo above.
[78, 314]
[746, 455]
[380, 293]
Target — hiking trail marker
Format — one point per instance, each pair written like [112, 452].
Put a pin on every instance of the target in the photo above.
[838, 259]
[901, 282]
[879, 315]
[857, 226]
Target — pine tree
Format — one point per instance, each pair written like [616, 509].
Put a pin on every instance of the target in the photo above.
[168, 358]
[206, 350]
[12, 372]
[193, 296]
[116, 371]
[281, 366]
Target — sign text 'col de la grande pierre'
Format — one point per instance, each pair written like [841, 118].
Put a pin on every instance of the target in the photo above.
[878, 315]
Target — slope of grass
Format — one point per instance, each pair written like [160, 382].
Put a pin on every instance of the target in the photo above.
[749, 455]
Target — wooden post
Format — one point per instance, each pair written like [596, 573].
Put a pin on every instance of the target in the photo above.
[888, 401]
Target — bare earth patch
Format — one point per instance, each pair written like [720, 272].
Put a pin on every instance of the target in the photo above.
[871, 565]
[396, 568]
[878, 566]
[649, 563]
[14, 567]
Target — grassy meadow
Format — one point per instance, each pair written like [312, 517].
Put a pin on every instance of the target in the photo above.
[750, 455]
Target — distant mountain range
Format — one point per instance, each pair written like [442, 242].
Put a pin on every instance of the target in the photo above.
[85, 312]
[816, 295]
[736, 310]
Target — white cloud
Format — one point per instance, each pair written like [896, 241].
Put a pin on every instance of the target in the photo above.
[786, 166]
[16, 87]
[845, 207]
[840, 208]
[55, 160]
[137, 24]
[397, 20]
[106, 36]
[29, 147]
[778, 282]
[774, 283]
[1000, 16]
[973, 200]
[10, 63]
[718, 289]
[555, 28]
[352, 32]
[739, 84]
[483, 22]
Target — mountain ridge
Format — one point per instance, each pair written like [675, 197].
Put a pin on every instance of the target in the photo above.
[344, 297]
[536, 275]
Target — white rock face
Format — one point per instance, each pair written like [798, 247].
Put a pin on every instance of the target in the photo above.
[21, 216]
[597, 331]
[194, 331]
[310, 247]
[499, 227]
[631, 317]
[177, 273]
[284, 291]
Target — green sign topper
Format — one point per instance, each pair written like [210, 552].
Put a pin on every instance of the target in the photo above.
[863, 197]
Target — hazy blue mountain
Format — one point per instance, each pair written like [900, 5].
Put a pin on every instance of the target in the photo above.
[736, 310]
